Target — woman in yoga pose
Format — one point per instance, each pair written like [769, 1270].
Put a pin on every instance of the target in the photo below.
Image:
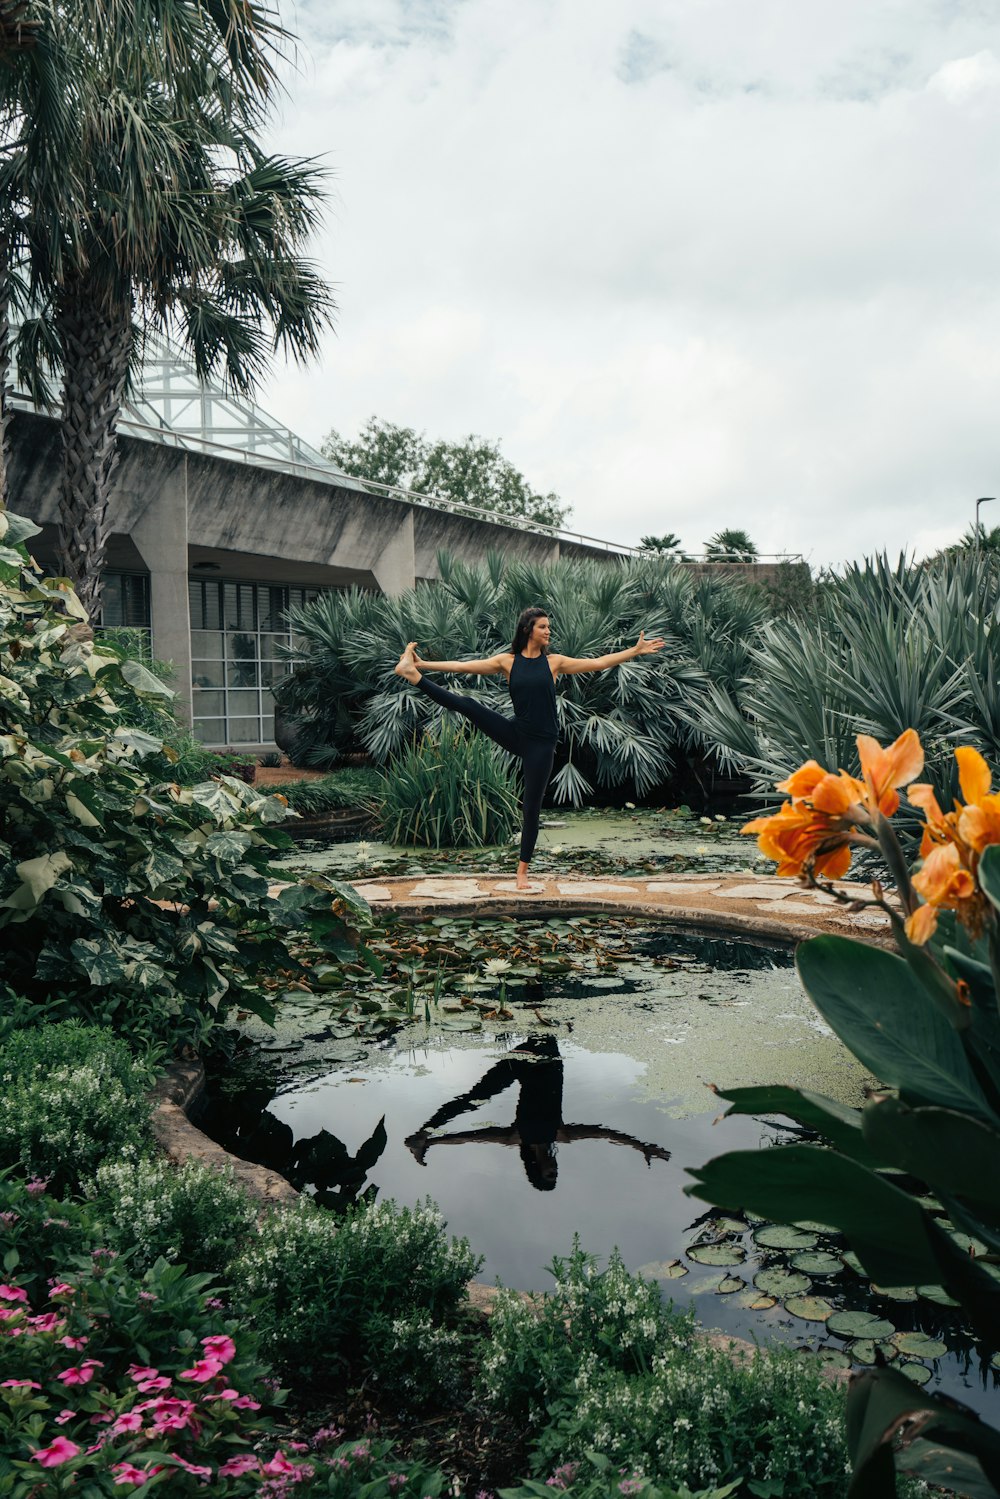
[531, 676]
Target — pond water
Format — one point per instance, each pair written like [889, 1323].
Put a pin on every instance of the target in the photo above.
[578, 1108]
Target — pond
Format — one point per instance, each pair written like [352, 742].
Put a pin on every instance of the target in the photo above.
[574, 1102]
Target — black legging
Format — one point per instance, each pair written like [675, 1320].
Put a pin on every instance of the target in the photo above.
[536, 755]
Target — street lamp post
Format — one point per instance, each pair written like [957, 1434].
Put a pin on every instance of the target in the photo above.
[986, 500]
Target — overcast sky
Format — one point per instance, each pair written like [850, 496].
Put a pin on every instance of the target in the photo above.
[694, 263]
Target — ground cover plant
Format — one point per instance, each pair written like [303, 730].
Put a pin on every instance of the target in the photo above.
[125, 897]
[620, 729]
[925, 1021]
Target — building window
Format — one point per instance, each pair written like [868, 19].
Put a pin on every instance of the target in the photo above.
[237, 630]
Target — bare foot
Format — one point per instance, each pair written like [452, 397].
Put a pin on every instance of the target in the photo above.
[522, 882]
[406, 665]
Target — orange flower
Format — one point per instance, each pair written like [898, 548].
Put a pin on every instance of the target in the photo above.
[945, 883]
[798, 838]
[979, 820]
[886, 769]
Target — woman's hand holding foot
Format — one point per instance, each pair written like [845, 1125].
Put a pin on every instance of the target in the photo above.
[406, 666]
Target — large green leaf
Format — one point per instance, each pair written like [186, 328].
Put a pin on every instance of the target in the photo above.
[989, 874]
[142, 680]
[943, 1147]
[890, 1422]
[882, 1013]
[837, 1122]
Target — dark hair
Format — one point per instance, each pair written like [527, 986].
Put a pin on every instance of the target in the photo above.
[541, 1166]
[524, 626]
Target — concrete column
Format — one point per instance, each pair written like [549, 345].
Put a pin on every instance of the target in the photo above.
[396, 569]
[161, 535]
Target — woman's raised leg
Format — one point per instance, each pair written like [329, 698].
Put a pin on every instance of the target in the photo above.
[501, 730]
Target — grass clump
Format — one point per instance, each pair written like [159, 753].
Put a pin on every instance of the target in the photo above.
[455, 790]
[347, 788]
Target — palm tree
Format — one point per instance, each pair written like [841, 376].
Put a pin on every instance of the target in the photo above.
[730, 546]
[671, 542]
[170, 216]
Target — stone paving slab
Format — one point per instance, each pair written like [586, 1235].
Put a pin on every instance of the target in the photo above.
[761, 905]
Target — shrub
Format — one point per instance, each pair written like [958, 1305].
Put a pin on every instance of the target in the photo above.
[331, 793]
[70, 1095]
[125, 897]
[316, 1284]
[453, 790]
[416, 1363]
[701, 1417]
[537, 1347]
[598, 1479]
[191, 1214]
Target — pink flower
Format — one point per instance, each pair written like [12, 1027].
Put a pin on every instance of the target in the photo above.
[77, 1375]
[204, 1370]
[127, 1421]
[36, 1187]
[147, 1296]
[150, 1386]
[129, 1473]
[62, 1450]
[182, 1462]
[19, 1384]
[171, 1414]
[227, 1394]
[75, 1343]
[63, 1417]
[13, 1293]
[245, 1403]
[9, 1219]
[47, 1322]
[244, 1462]
[220, 1347]
[278, 1464]
[142, 1371]
[60, 1288]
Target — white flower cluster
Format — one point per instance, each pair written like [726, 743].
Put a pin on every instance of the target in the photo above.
[68, 1119]
[192, 1213]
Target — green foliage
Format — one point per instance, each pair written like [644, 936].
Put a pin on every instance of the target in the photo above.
[456, 789]
[621, 728]
[730, 546]
[70, 1095]
[317, 1285]
[157, 715]
[194, 1215]
[606, 1319]
[339, 790]
[473, 472]
[417, 1363]
[671, 542]
[125, 897]
[927, 1024]
[881, 649]
[597, 1478]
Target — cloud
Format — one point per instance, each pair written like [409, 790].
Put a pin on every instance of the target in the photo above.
[693, 266]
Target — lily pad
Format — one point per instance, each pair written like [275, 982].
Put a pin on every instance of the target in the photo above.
[937, 1294]
[833, 1358]
[896, 1293]
[809, 1308]
[781, 1283]
[717, 1254]
[780, 1236]
[860, 1325]
[754, 1301]
[731, 1225]
[852, 1262]
[663, 1270]
[864, 1351]
[817, 1262]
[729, 1284]
[919, 1373]
[919, 1345]
[809, 1227]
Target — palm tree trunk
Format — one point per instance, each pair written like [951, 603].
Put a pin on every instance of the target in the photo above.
[96, 338]
[5, 386]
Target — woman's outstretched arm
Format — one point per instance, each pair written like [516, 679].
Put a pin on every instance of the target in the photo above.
[573, 665]
[491, 666]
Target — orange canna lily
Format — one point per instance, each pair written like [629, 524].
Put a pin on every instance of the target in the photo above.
[886, 769]
[796, 837]
[946, 883]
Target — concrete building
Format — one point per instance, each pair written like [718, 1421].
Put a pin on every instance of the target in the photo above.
[221, 519]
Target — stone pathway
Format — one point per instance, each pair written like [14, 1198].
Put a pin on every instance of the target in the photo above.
[778, 910]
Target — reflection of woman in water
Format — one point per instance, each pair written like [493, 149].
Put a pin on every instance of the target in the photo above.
[538, 1127]
[531, 672]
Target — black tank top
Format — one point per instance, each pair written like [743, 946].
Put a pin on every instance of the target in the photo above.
[533, 693]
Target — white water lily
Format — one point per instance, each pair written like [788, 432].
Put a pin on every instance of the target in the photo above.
[495, 966]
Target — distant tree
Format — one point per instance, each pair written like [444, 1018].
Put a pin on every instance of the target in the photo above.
[730, 546]
[987, 540]
[382, 453]
[671, 542]
[473, 472]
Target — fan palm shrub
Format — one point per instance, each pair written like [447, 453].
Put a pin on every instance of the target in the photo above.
[887, 646]
[622, 729]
